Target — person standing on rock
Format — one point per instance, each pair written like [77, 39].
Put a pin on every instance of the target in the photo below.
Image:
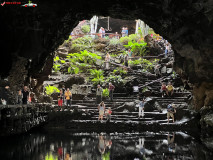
[68, 96]
[170, 112]
[107, 60]
[101, 109]
[141, 108]
[60, 99]
[111, 90]
[99, 94]
[169, 89]
[25, 94]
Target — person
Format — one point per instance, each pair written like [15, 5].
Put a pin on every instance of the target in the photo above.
[19, 97]
[5, 95]
[101, 108]
[68, 96]
[123, 32]
[25, 94]
[126, 59]
[129, 53]
[163, 89]
[108, 114]
[170, 112]
[107, 59]
[141, 108]
[116, 35]
[169, 89]
[111, 90]
[126, 31]
[157, 71]
[99, 94]
[101, 144]
[103, 32]
[60, 98]
[63, 93]
[166, 49]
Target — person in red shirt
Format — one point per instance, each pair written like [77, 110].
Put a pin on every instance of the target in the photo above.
[108, 114]
[163, 89]
[111, 90]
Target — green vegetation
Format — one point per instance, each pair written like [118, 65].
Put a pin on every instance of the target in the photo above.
[49, 90]
[114, 41]
[119, 71]
[105, 92]
[82, 43]
[85, 29]
[116, 80]
[137, 48]
[125, 40]
[97, 76]
[56, 67]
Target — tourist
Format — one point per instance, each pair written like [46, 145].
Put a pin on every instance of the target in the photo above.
[111, 90]
[19, 97]
[169, 89]
[123, 32]
[166, 49]
[157, 70]
[99, 94]
[170, 112]
[63, 93]
[126, 60]
[108, 114]
[163, 89]
[141, 108]
[5, 95]
[103, 32]
[60, 98]
[126, 31]
[25, 94]
[129, 53]
[68, 96]
[107, 60]
[116, 35]
[101, 108]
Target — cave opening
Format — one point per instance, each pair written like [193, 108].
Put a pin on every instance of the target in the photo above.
[35, 42]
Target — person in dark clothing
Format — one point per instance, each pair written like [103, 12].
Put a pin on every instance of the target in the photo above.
[25, 94]
[5, 95]
[99, 94]
[63, 93]
[111, 89]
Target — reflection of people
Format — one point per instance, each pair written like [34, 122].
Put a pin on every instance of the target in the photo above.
[25, 94]
[141, 148]
[171, 144]
[67, 157]
[101, 144]
[99, 94]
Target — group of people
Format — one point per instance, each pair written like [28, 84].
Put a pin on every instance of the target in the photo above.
[22, 96]
[124, 31]
[101, 32]
[101, 106]
[167, 89]
[64, 97]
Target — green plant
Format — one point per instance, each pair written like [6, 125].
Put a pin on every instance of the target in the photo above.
[125, 40]
[114, 41]
[116, 80]
[49, 90]
[56, 59]
[134, 37]
[85, 29]
[97, 76]
[56, 67]
[105, 92]
[82, 43]
[144, 89]
[62, 61]
[137, 48]
[119, 71]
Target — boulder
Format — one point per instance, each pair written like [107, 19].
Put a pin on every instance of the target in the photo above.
[81, 89]
[208, 119]
[62, 54]
[73, 79]
[169, 70]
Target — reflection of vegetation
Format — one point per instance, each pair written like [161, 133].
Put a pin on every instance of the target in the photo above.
[51, 89]
[105, 92]
[85, 29]
[50, 156]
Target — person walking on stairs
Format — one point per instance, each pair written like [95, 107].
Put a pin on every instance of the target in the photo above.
[171, 111]
[111, 90]
[60, 99]
[107, 60]
[101, 109]
[169, 89]
[68, 96]
[108, 114]
[163, 89]
[99, 94]
[141, 108]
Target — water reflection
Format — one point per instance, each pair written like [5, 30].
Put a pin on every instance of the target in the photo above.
[102, 146]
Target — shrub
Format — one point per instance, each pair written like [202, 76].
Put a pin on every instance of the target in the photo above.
[56, 67]
[119, 71]
[125, 40]
[116, 80]
[85, 29]
[97, 76]
[82, 43]
[137, 48]
[49, 90]
[114, 41]
[105, 92]
[134, 37]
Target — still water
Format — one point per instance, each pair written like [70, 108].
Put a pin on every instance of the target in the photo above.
[103, 146]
